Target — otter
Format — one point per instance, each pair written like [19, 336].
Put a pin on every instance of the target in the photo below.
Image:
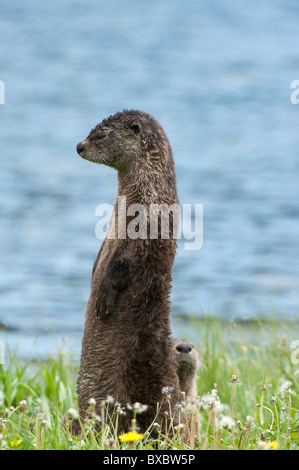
[127, 347]
[188, 363]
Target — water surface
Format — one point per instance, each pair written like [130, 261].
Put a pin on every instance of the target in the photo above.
[217, 76]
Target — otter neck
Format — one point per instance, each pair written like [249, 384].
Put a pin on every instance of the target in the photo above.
[145, 186]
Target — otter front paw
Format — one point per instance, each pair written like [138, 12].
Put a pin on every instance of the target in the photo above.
[105, 302]
[115, 281]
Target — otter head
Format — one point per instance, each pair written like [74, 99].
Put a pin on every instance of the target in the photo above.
[186, 358]
[119, 140]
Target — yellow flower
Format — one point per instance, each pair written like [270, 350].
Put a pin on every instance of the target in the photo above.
[15, 443]
[130, 436]
[270, 445]
[273, 445]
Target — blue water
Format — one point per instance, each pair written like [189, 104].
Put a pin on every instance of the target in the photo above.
[217, 76]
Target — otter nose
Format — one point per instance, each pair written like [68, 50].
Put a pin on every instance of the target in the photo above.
[183, 348]
[80, 147]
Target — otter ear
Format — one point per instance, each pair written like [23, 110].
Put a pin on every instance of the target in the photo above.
[135, 126]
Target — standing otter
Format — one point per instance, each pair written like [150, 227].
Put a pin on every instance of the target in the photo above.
[126, 347]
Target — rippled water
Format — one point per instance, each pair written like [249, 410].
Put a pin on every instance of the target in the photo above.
[217, 76]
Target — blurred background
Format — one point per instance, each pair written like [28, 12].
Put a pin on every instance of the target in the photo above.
[217, 77]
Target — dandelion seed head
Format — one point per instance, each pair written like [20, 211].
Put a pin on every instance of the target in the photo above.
[234, 379]
[120, 410]
[110, 400]
[91, 405]
[208, 400]
[180, 428]
[139, 408]
[73, 413]
[225, 422]
[111, 444]
[284, 387]
[191, 408]
[23, 404]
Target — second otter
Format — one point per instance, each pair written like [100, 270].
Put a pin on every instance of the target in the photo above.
[126, 347]
[188, 363]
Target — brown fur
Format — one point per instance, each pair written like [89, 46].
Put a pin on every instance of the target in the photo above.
[126, 348]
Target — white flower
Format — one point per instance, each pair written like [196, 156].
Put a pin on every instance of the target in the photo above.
[234, 379]
[110, 399]
[285, 387]
[180, 428]
[92, 405]
[137, 407]
[23, 405]
[191, 408]
[120, 410]
[73, 413]
[209, 400]
[226, 422]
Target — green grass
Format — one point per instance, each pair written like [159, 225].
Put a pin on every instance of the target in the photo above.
[256, 385]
